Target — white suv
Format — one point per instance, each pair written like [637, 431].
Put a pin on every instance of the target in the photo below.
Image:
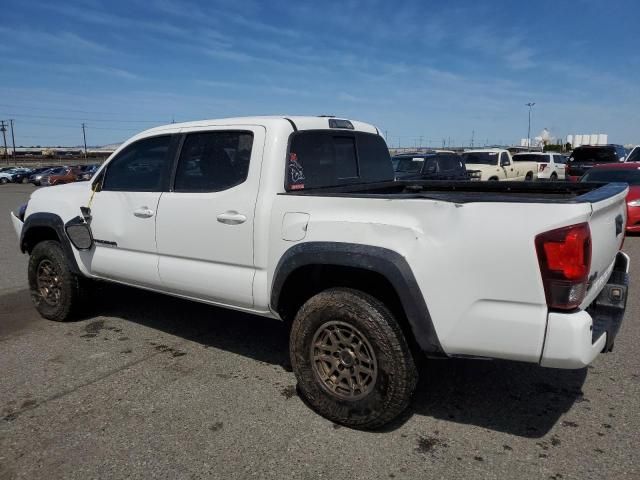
[551, 166]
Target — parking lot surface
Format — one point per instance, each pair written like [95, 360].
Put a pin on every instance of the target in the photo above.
[150, 386]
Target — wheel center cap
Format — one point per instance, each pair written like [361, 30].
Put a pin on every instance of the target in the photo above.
[347, 357]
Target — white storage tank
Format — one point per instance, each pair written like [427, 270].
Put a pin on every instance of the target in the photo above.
[577, 141]
[603, 139]
[594, 139]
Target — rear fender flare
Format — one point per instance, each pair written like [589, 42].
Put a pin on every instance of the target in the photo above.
[390, 264]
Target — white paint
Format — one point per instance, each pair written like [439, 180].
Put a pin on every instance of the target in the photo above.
[474, 263]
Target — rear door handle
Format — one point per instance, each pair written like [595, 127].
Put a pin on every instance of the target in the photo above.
[143, 212]
[231, 218]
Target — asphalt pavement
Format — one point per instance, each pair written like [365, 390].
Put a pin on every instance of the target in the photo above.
[150, 386]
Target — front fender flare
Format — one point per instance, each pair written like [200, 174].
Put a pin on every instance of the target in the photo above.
[54, 222]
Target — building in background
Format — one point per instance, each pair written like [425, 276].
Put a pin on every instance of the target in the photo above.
[588, 139]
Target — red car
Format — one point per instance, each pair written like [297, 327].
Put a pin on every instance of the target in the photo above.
[621, 172]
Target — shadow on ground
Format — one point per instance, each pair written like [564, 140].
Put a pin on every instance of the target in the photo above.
[515, 398]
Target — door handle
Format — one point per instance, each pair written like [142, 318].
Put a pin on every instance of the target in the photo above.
[143, 212]
[231, 218]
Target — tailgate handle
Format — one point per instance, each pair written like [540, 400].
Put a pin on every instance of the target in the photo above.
[619, 225]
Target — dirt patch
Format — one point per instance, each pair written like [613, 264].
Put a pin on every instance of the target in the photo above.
[170, 350]
[428, 444]
[94, 327]
[17, 313]
[288, 391]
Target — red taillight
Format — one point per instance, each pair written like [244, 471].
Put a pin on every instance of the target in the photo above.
[564, 256]
[541, 167]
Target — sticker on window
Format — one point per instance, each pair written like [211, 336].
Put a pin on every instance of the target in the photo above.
[296, 173]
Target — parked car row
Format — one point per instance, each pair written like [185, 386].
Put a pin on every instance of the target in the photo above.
[49, 175]
[13, 175]
[499, 164]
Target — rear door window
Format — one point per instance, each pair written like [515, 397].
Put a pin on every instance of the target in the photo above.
[213, 161]
[450, 163]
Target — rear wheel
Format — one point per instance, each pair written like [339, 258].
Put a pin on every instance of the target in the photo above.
[351, 359]
[553, 177]
[25, 180]
[57, 292]
[528, 177]
[3, 180]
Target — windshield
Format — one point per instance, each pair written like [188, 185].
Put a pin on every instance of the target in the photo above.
[528, 157]
[482, 158]
[407, 164]
[634, 156]
[594, 154]
[625, 175]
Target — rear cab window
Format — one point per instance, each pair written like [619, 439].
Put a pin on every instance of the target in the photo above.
[328, 158]
[594, 154]
[531, 157]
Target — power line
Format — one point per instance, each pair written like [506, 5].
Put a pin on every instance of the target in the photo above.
[13, 138]
[3, 129]
[41, 108]
[84, 137]
[49, 117]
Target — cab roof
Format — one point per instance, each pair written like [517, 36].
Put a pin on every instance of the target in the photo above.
[290, 122]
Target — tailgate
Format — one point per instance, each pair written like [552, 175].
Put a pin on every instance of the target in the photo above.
[607, 224]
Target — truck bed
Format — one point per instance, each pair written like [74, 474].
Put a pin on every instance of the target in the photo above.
[469, 192]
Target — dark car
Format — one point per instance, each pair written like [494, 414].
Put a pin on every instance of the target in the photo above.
[15, 175]
[87, 171]
[432, 165]
[37, 175]
[587, 156]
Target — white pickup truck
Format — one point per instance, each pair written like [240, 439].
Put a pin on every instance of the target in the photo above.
[299, 219]
[497, 164]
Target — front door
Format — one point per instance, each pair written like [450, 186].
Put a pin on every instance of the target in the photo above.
[507, 166]
[124, 212]
[205, 223]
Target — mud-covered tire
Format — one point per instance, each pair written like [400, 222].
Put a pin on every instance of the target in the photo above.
[395, 371]
[48, 265]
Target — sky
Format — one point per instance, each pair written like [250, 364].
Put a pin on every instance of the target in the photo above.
[419, 70]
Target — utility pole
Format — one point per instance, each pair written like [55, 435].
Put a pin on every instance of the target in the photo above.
[3, 129]
[473, 133]
[84, 137]
[13, 139]
[530, 105]
[420, 145]
[385, 136]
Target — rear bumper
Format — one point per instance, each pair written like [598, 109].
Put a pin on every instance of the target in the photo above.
[574, 340]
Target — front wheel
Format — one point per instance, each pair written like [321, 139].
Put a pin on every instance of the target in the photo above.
[351, 359]
[3, 180]
[56, 291]
[528, 177]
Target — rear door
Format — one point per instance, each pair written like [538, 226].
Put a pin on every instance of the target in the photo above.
[205, 222]
[124, 212]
